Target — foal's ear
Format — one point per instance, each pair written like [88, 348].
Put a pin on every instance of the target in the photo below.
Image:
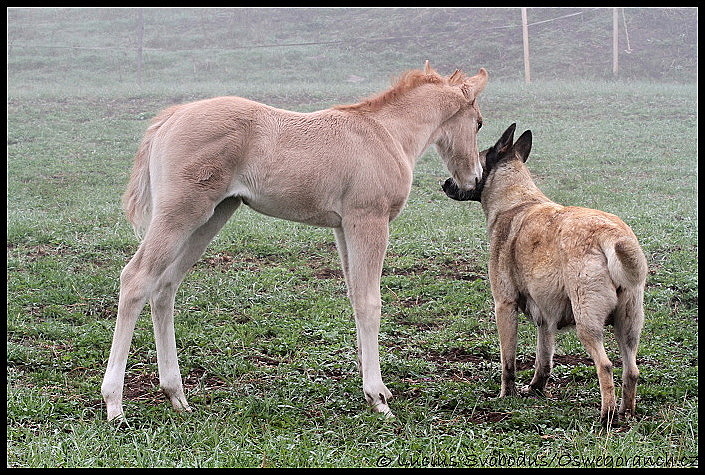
[456, 78]
[427, 68]
[474, 85]
[522, 147]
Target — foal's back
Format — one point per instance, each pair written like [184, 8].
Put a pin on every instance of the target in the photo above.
[304, 167]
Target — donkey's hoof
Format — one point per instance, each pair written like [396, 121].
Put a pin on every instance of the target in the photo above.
[530, 391]
[508, 391]
[610, 420]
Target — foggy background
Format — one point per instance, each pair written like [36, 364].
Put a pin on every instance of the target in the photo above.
[78, 50]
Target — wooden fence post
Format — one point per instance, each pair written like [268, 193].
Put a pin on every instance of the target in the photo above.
[615, 42]
[140, 39]
[525, 30]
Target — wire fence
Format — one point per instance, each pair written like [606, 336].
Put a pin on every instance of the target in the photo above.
[544, 41]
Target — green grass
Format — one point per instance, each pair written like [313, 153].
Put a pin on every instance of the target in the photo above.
[264, 330]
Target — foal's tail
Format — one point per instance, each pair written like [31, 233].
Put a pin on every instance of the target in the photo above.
[137, 199]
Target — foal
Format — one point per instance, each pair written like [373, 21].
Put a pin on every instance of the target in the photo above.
[348, 168]
[562, 266]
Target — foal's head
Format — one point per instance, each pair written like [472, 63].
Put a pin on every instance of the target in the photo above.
[503, 151]
[457, 138]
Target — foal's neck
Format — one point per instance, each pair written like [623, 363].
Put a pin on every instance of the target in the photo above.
[413, 120]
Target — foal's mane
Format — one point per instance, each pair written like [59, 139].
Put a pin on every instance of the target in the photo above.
[407, 81]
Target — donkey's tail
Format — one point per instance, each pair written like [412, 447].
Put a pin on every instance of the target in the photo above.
[137, 199]
[626, 262]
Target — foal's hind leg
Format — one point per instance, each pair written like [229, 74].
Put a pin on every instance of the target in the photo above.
[365, 241]
[161, 247]
[162, 302]
[155, 254]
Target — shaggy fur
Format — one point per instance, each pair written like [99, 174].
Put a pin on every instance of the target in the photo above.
[562, 266]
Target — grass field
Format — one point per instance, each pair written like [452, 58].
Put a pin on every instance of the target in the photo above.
[264, 330]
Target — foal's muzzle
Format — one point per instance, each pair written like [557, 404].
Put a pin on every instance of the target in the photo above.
[451, 189]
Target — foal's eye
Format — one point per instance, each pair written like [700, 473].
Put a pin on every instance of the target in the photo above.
[479, 124]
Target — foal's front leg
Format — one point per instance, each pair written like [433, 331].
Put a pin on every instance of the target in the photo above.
[366, 243]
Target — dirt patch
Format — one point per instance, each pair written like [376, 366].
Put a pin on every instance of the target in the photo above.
[40, 251]
[145, 386]
[223, 262]
[457, 269]
[457, 355]
[527, 362]
[263, 360]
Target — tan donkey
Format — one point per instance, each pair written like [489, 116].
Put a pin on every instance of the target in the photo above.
[562, 266]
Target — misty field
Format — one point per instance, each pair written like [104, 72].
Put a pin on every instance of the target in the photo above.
[264, 330]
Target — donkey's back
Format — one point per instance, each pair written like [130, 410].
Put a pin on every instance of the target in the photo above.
[562, 255]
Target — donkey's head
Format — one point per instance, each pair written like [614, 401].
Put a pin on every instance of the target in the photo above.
[505, 149]
[456, 139]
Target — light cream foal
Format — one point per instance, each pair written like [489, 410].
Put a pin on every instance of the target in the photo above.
[348, 168]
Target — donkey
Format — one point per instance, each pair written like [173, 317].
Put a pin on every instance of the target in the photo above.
[562, 266]
[348, 167]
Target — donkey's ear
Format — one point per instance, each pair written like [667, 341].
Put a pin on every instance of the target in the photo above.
[427, 68]
[507, 138]
[499, 150]
[522, 147]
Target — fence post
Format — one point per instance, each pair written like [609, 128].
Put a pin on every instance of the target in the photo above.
[140, 38]
[615, 42]
[525, 30]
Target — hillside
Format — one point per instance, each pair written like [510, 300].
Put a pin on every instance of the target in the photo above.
[48, 48]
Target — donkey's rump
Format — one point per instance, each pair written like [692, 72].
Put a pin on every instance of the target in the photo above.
[560, 251]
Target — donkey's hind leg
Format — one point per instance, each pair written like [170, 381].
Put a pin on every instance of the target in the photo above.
[590, 316]
[162, 302]
[628, 322]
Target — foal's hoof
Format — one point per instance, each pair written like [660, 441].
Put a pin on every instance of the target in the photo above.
[118, 419]
[178, 400]
[181, 407]
[115, 413]
[383, 408]
[530, 391]
[378, 400]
